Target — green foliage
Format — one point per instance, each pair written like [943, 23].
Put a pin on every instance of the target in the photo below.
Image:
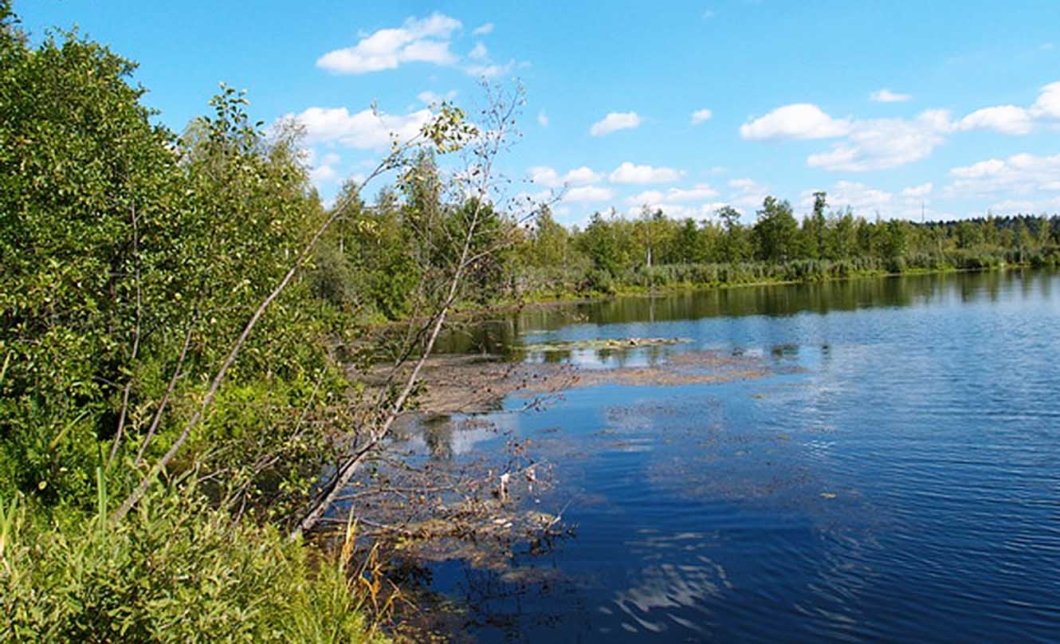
[132, 259]
[610, 255]
[175, 571]
[78, 161]
[776, 232]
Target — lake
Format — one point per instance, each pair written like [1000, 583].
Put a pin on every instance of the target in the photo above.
[891, 472]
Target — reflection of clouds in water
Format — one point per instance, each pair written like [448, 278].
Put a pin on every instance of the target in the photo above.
[590, 358]
[668, 592]
[446, 437]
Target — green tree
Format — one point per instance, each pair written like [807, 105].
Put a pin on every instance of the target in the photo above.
[550, 246]
[735, 246]
[816, 242]
[776, 231]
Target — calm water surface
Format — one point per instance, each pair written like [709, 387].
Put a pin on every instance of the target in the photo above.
[894, 477]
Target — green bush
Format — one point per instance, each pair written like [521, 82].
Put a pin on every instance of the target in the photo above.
[174, 571]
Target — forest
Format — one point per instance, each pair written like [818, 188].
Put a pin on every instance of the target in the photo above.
[184, 324]
[614, 254]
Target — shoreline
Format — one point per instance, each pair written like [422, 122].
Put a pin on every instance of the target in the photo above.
[532, 303]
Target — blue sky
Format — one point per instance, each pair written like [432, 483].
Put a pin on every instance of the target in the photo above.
[893, 107]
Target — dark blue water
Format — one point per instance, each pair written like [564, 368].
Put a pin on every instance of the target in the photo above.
[893, 475]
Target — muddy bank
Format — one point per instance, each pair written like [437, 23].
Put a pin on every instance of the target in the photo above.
[454, 384]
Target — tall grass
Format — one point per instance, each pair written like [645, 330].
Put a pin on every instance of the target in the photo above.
[177, 571]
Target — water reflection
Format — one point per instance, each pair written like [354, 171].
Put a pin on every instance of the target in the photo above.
[894, 469]
[504, 334]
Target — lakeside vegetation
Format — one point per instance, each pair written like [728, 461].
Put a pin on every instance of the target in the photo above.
[161, 435]
[615, 255]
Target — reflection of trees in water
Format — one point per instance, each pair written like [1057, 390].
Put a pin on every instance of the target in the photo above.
[500, 335]
[510, 605]
[459, 600]
[438, 434]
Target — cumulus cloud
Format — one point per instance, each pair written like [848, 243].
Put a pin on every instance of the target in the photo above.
[916, 192]
[549, 178]
[614, 122]
[630, 173]
[364, 130]
[879, 144]
[699, 116]
[859, 196]
[798, 121]
[424, 40]
[1007, 119]
[1048, 103]
[747, 193]
[324, 170]
[887, 96]
[588, 194]
[865, 200]
[1021, 174]
[1013, 119]
[699, 192]
[1025, 206]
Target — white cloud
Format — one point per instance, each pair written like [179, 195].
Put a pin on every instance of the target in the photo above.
[870, 144]
[583, 174]
[615, 121]
[490, 70]
[1007, 119]
[679, 211]
[747, 193]
[879, 144]
[1021, 174]
[646, 198]
[630, 173]
[1015, 120]
[542, 119]
[324, 171]
[365, 130]
[887, 96]
[798, 121]
[695, 193]
[417, 40]
[859, 196]
[699, 192]
[588, 194]
[1024, 206]
[866, 201]
[1048, 103]
[549, 178]
[980, 169]
[699, 116]
[483, 30]
[479, 52]
[916, 192]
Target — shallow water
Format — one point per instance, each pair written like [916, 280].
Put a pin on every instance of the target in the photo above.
[894, 475]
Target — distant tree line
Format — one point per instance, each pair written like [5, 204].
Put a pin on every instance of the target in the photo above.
[613, 254]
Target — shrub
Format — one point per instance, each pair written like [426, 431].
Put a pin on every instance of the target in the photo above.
[175, 571]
